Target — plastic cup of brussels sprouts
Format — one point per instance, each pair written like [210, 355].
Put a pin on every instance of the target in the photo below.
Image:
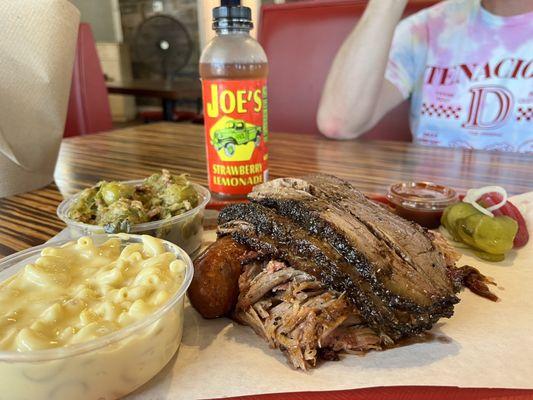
[185, 229]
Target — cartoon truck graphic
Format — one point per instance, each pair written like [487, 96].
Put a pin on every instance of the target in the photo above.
[236, 132]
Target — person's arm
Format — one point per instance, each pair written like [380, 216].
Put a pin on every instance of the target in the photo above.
[356, 94]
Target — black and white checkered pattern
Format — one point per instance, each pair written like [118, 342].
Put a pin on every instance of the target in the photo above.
[441, 110]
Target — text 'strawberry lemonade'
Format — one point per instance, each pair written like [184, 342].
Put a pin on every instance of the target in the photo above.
[234, 69]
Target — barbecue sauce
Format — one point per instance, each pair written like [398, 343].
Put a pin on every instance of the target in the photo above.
[421, 202]
[234, 69]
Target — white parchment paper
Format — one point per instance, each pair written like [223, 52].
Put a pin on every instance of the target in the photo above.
[37, 48]
[484, 344]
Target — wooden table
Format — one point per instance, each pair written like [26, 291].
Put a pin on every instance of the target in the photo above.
[29, 219]
[168, 91]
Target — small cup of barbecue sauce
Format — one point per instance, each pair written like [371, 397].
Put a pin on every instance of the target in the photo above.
[421, 202]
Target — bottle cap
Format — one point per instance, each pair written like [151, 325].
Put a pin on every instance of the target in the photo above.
[230, 14]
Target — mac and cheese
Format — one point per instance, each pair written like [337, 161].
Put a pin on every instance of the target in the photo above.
[81, 291]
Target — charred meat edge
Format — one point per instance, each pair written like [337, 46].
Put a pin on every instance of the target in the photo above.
[335, 208]
[277, 237]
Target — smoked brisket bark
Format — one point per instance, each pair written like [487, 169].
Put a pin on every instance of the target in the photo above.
[409, 240]
[276, 237]
[304, 248]
[401, 257]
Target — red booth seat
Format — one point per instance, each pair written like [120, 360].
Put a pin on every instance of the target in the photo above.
[88, 107]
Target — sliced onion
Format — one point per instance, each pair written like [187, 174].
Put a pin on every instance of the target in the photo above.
[473, 195]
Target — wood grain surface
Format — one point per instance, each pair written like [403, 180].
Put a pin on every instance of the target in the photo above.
[30, 219]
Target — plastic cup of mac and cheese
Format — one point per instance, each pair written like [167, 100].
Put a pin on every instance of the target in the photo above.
[185, 229]
[90, 318]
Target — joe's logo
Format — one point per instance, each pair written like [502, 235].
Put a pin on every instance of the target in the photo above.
[228, 101]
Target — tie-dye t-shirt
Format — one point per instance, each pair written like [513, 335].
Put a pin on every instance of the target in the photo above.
[469, 74]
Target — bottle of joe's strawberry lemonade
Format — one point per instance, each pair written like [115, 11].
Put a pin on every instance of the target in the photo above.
[234, 69]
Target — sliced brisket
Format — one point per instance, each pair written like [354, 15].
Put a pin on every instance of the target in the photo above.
[273, 236]
[400, 255]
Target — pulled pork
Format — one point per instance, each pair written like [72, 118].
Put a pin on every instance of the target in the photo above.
[294, 312]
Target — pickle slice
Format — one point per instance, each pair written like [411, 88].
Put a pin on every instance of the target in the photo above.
[493, 235]
[444, 217]
[489, 257]
[454, 213]
[465, 228]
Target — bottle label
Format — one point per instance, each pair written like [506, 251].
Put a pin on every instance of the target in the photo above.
[236, 129]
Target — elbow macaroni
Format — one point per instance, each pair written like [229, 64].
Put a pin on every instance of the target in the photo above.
[82, 291]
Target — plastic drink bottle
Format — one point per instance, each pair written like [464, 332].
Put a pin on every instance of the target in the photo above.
[234, 69]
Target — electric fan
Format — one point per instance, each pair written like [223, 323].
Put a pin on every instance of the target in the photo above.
[162, 45]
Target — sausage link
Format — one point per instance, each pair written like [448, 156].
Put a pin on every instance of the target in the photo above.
[215, 286]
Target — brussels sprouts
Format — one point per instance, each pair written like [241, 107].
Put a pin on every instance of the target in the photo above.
[113, 191]
[85, 207]
[118, 206]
